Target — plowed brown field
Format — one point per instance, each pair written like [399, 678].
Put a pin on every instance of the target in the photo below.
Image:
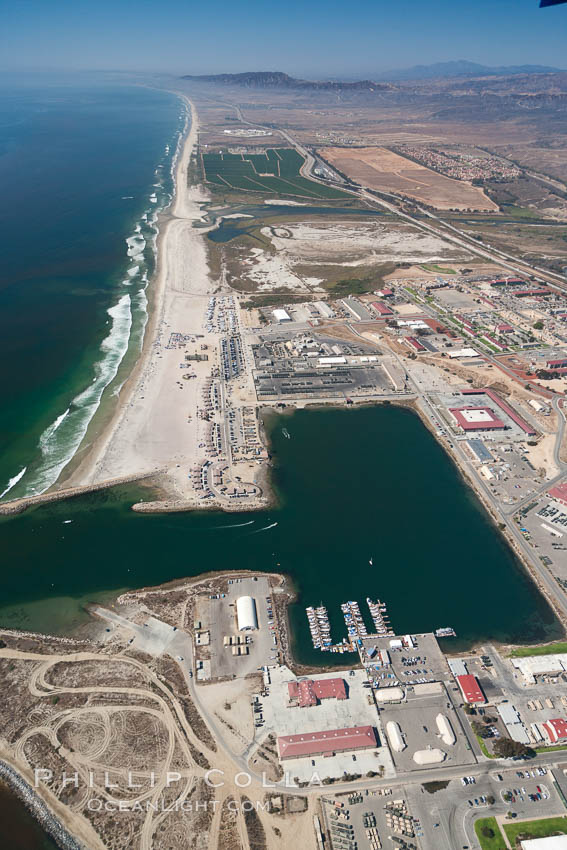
[379, 168]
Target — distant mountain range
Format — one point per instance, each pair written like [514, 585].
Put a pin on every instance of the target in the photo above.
[461, 68]
[382, 82]
[277, 79]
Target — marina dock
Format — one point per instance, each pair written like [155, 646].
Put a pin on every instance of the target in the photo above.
[379, 617]
[320, 627]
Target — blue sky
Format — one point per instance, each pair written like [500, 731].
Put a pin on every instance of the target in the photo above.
[315, 38]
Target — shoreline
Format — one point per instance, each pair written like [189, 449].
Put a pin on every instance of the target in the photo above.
[84, 467]
[100, 428]
[88, 470]
[72, 831]
[67, 830]
[164, 506]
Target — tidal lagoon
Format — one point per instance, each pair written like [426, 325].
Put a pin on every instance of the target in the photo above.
[351, 485]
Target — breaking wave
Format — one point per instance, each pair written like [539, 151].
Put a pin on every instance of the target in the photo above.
[13, 481]
[127, 320]
[62, 438]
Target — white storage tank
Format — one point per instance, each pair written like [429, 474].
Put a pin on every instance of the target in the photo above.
[246, 613]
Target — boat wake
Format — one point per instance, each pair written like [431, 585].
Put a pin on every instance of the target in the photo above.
[266, 528]
[236, 525]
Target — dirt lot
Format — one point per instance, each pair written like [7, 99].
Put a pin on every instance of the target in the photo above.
[310, 256]
[379, 168]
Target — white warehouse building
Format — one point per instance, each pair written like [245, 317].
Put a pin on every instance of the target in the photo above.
[246, 613]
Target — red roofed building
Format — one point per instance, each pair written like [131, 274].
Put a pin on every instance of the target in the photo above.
[382, 309]
[559, 492]
[541, 291]
[471, 690]
[476, 419]
[415, 343]
[555, 730]
[306, 692]
[509, 411]
[327, 743]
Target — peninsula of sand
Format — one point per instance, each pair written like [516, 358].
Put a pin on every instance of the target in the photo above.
[159, 427]
[154, 430]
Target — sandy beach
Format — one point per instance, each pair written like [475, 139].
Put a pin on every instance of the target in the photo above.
[154, 428]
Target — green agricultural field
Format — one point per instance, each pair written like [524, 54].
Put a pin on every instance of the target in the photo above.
[520, 212]
[546, 649]
[273, 173]
[489, 835]
[435, 268]
[536, 829]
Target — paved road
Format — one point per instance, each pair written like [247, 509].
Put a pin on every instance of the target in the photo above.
[559, 407]
[448, 231]
[505, 515]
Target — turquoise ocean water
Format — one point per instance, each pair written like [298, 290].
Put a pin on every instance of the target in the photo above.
[85, 166]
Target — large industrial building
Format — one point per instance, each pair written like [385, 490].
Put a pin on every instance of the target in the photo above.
[555, 730]
[512, 720]
[246, 613]
[471, 690]
[503, 406]
[540, 665]
[281, 315]
[559, 492]
[382, 309]
[476, 419]
[553, 842]
[327, 743]
[308, 692]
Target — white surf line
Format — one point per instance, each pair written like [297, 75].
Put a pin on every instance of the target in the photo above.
[13, 481]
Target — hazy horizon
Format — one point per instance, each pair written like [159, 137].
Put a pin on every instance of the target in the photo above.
[365, 39]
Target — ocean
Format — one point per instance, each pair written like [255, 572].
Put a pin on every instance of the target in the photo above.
[85, 167]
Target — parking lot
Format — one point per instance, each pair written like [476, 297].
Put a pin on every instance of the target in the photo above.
[357, 710]
[218, 616]
[447, 816]
[418, 663]
[417, 719]
[544, 531]
[291, 383]
[379, 819]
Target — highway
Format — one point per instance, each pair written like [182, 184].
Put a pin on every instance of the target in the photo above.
[449, 232]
